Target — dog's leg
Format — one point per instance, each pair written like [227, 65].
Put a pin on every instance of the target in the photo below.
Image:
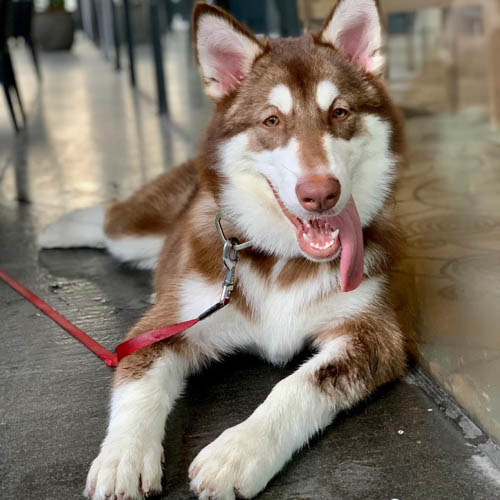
[129, 463]
[146, 385]
[132, 230]
[353, 360]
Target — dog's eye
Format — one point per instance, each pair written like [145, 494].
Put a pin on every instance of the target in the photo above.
[340, 113]
[271, 121]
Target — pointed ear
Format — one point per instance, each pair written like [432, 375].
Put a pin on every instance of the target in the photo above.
[355, 27]
[225, 50]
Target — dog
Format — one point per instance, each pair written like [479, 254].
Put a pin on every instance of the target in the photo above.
[300, 159]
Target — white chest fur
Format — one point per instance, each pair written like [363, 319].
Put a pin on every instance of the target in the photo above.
[283, 319]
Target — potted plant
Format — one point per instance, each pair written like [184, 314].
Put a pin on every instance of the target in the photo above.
[54, 28]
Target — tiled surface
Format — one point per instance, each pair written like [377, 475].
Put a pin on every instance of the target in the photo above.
[90, 138]
[449, 206]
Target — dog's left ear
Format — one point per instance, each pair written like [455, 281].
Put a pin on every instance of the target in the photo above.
[225, 50]
[355, 27]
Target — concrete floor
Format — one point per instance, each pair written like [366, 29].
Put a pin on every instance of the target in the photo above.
[90, 138]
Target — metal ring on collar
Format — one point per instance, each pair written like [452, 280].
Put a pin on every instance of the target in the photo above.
[222, 236]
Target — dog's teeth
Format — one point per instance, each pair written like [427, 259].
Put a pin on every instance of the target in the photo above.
[335, 234]
[319, 246]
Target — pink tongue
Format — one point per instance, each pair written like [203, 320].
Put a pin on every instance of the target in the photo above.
[351, 240]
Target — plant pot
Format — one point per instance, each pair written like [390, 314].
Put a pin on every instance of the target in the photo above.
[54, 30]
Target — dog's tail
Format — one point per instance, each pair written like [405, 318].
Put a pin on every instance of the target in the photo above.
[132, 230]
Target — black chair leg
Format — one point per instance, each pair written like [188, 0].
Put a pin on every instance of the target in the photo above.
[34, 55]
[11, 81]
[11, 107]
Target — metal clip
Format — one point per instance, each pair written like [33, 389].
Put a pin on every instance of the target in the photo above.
[230, 259]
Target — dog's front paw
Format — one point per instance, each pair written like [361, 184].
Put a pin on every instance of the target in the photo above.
[125, 469]
[239, 463]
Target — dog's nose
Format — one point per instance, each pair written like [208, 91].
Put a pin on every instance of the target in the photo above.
[318, 193]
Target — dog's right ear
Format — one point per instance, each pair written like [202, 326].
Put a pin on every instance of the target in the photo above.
[225, 50]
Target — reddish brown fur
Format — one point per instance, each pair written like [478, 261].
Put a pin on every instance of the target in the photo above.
[176, 204]
[149, 211]
[298, 63]
[375, 355]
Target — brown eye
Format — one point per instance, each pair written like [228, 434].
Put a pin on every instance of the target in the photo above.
[340, 113]
[272, 121]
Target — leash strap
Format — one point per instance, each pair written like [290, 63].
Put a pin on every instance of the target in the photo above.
[122, 350]
[108, 357]
[230, 259]
[146, 339]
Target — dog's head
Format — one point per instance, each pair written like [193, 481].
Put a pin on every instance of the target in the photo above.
[303, 143]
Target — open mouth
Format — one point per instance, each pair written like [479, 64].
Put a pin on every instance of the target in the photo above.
[318, 238]
[324, 237]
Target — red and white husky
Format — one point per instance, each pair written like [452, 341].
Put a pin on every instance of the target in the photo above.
[300, 158]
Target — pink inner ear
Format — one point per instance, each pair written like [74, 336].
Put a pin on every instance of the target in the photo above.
[355, 43]
[228, 68]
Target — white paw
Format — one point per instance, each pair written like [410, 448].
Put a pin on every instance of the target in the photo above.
[125, 470]
[238, 464]
[80, 228]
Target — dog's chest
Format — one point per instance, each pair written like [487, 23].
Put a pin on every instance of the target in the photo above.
[278, 319]
[283, 317]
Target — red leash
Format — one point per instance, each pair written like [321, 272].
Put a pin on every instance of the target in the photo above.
[108, 357]
[125, 348]
[230, 259]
